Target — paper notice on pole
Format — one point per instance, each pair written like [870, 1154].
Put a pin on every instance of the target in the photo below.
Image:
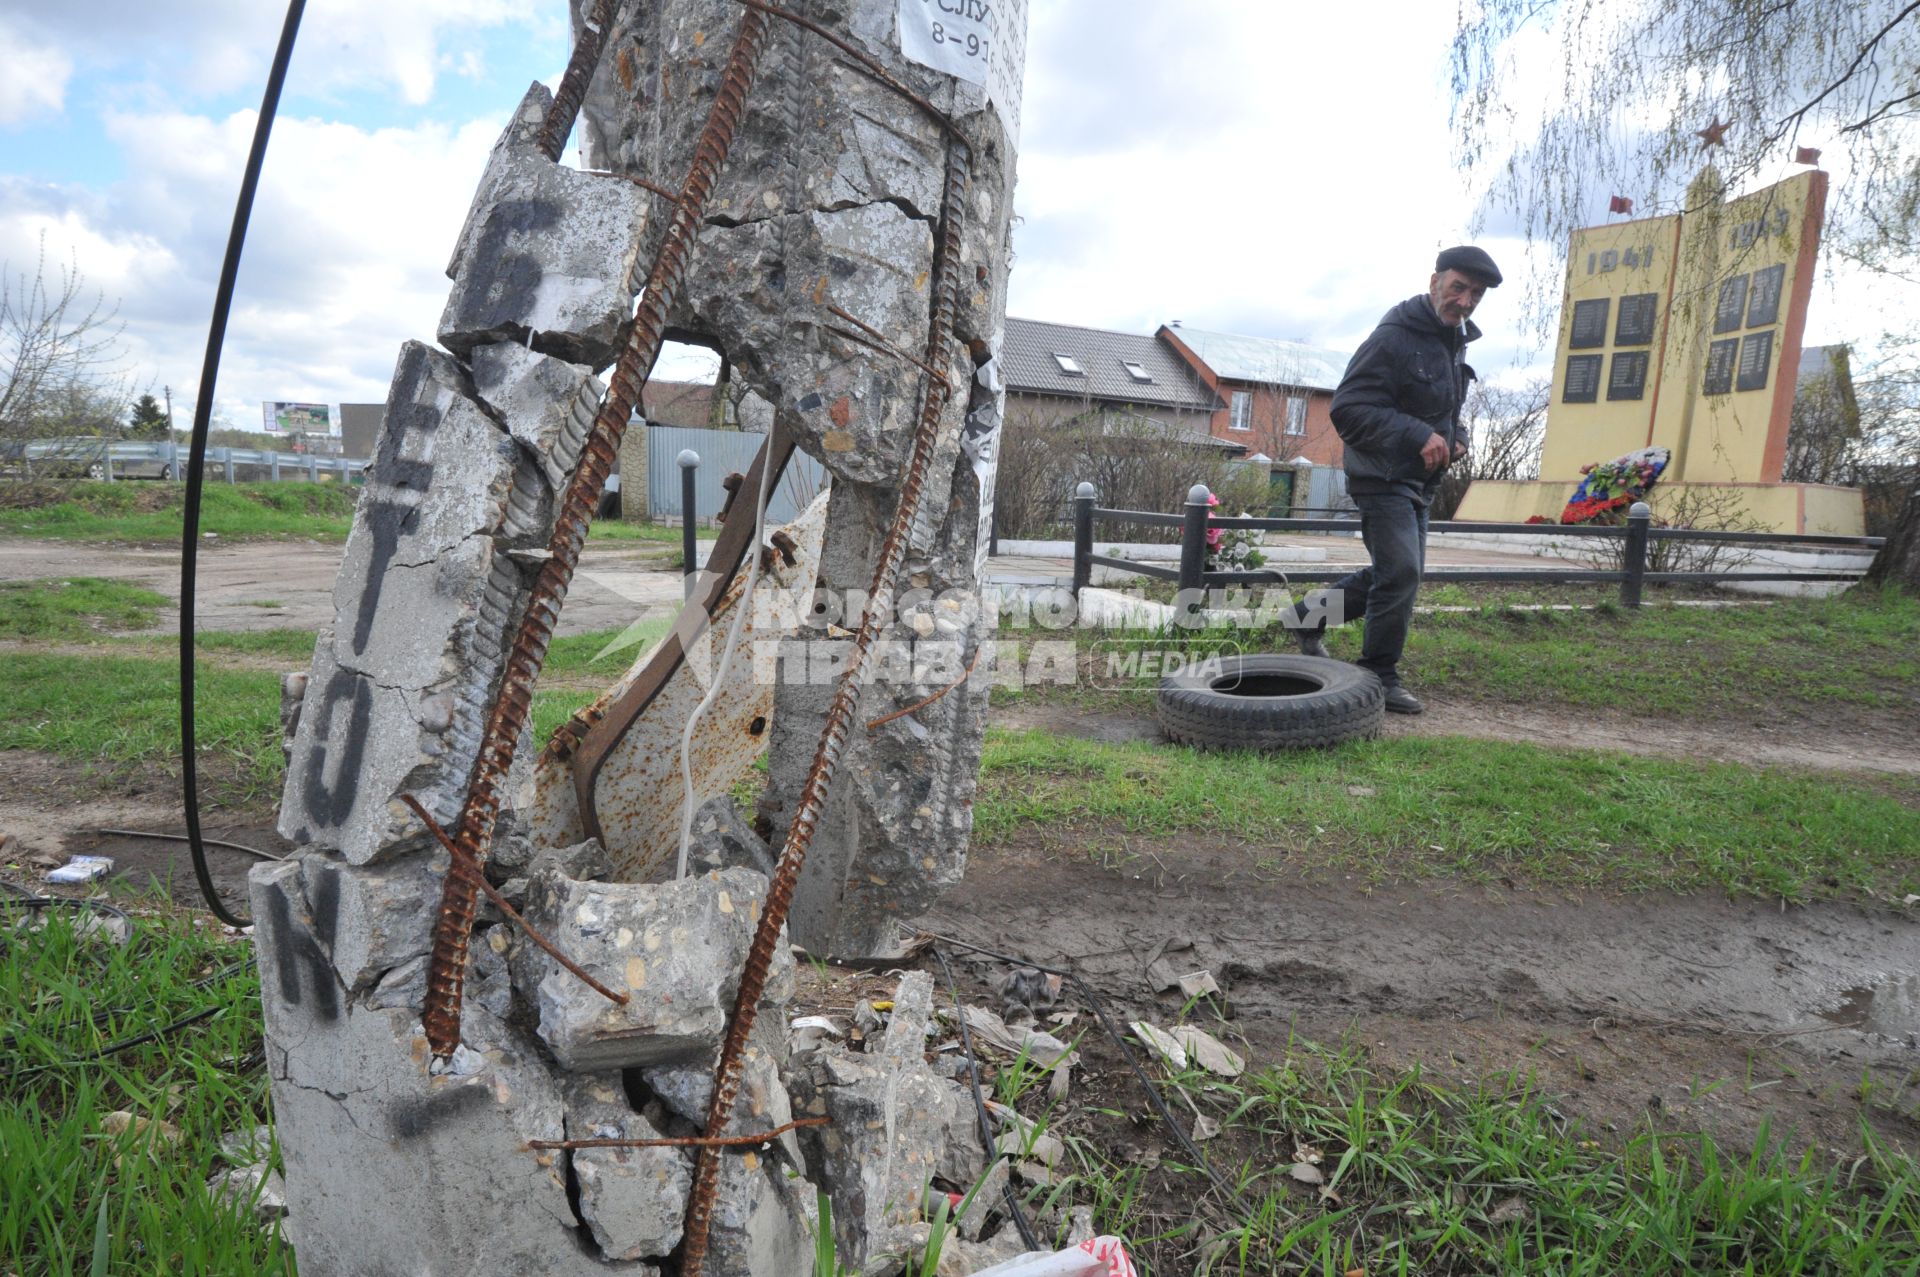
[983, 42]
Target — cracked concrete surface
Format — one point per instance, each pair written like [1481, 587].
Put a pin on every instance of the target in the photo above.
[830, 200]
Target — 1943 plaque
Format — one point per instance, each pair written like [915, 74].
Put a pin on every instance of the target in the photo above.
[1756, 352]
[1733, 305]
[1720, 357]
[1763, 301]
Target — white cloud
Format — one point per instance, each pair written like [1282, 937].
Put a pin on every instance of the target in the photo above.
[33, 75]
[350, 235]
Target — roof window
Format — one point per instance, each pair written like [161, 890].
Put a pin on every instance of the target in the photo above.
[1069, 365]
[1137, 371]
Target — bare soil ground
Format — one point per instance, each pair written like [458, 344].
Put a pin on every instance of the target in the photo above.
[1861, 741]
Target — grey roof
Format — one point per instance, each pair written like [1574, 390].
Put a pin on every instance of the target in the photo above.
[1267, 360]
[1027, 363]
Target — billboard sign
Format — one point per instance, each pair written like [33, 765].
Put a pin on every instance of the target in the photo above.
[296, 418]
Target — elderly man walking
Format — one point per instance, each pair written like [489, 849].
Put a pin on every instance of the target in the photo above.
[1398, 413]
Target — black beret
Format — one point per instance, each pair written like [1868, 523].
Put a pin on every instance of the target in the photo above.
[1469, 260]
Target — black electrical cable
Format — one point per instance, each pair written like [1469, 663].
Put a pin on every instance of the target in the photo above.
[988, 1143]
[197, 453]
[1153, 1092]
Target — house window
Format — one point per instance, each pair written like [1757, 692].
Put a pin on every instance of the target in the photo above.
[1242, 418]
[1069, 365]
[1296, 414]
[1137, 371]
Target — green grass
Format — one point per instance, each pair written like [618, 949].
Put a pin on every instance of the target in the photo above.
[146, 513]
[75, 608]
[1779, 662]
[1426, 1177]
[63, 997]
[116, 715]
[1478, 810]
[152, 512]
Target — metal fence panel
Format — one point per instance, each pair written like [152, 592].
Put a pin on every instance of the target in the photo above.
[721, 453]
[1326, 489]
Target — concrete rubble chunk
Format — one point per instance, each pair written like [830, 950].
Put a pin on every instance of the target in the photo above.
[547, 253]
[633, 1199]
[888, 1116]
[763, 1104]
[722, 839]
[763, 1221]
[364, 1124]
[545, 403]
[677, 948]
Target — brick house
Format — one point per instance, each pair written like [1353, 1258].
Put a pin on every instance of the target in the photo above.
[1276, 398]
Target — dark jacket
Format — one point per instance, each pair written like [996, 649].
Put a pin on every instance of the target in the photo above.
[1405, 383]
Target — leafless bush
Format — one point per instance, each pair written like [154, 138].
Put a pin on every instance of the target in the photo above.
[1693, 509]
[1508, 424]
[1134, 461]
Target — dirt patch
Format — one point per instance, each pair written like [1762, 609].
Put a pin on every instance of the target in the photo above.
[50, 811]
[1694, 1012]
[1865, 741]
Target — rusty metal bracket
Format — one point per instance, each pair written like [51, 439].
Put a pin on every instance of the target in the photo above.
[513, 706]
[596, 740]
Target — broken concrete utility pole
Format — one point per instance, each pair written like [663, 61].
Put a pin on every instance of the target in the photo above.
[504, 1033]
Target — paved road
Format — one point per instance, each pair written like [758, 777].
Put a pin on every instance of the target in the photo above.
[237, 583]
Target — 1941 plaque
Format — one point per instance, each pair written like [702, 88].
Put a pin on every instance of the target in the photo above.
[1628, 377]
[1638, 314]
[1720, 357]
[1589, 323]
[1763, 301]
[1733, 305]
[1583, 379]
[1756, 352]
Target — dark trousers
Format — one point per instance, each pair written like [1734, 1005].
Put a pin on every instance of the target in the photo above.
[1394, 529]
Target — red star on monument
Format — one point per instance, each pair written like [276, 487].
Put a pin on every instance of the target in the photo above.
[1715, 134]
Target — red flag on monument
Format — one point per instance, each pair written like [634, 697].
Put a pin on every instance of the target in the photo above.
[1619, 204]
[1806, 155]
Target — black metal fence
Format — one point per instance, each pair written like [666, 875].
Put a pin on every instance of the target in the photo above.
[1637, 533]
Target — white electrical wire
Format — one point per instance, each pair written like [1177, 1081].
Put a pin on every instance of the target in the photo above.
[740, 609]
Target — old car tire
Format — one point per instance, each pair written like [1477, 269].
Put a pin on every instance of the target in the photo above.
[1270, 702]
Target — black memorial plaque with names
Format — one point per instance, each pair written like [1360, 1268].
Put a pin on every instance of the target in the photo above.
[1720, 357]
[1756, 352]
[1638, 315]
[1583, 379]
[1733, 305]
[1589, 323]
[1763, 300]
[1628, 377]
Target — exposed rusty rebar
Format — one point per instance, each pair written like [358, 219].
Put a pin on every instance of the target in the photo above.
[573, 84]
[688, 1141]
[865, 62]
[833, 737]
[513, 706]
[512, 915]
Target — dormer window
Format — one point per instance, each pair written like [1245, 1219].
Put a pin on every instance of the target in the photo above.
[1137, 371]
[1069, 365]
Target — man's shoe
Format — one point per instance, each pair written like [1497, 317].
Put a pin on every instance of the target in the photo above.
[1401, 701]
[1312, 641]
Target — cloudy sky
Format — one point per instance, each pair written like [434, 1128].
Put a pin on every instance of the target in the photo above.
[1277, 169]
